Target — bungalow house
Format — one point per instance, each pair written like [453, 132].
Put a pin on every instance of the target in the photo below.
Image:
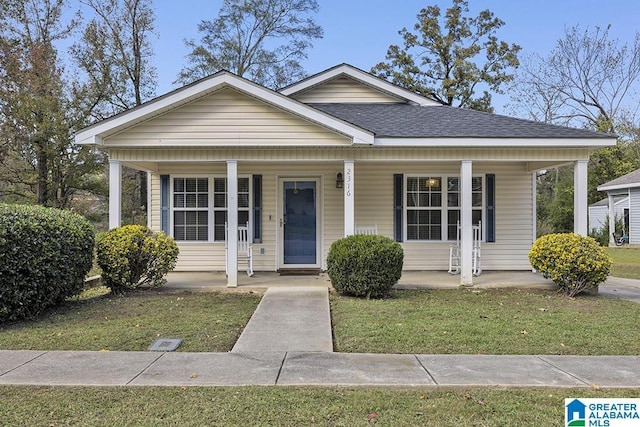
[627, 186]
[306, 165]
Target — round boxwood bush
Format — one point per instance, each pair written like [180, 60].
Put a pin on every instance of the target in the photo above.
[365, 265]
[45, 255]
[575, 263]
[132, 255]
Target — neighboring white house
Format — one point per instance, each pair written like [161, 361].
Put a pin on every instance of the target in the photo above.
[625, 186]
[307, 165]
[599, 213]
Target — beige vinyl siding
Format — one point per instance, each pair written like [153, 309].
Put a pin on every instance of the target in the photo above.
[225, 118]
[514, 220]
[345, 90]
[514, 226]
[373, 206]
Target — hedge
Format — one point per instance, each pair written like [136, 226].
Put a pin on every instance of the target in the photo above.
[45, 255]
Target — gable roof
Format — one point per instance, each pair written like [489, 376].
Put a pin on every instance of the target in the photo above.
[95, 133]
[363, 77]
[629, 180]
[411, 121]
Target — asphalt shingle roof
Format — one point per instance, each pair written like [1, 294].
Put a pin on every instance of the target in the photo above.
[411, 121]
[628, 179]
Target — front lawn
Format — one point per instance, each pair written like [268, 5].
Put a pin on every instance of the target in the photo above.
[496, 321]
[626, 262]
[287, 406]
[205, 321]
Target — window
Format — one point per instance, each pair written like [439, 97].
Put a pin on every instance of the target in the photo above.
[191, 209]
[220, 205]
[424, 208]
[428, 217]
[193, 214]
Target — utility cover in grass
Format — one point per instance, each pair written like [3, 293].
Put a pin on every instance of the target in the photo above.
[165, 344]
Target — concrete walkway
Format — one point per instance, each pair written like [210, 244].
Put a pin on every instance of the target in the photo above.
[307, 368]
[289, 319]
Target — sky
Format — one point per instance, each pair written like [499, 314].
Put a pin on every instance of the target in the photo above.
[358, 32]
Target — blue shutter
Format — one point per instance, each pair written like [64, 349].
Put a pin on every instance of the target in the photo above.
[398, 196]
[257, 208]
[490, 181]
[164, 203]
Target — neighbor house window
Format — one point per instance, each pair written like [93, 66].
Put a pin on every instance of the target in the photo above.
[433, 206]
[191, 209]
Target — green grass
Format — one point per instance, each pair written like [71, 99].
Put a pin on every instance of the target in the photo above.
[626, 262]
[205, 321]
[499, 321]
[286, 406]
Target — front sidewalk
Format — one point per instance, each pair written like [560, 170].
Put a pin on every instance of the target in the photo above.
[86, 368]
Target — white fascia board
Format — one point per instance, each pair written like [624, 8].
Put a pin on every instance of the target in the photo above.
[366, 78]
[94, 134]
[611, 188]
[494, 142]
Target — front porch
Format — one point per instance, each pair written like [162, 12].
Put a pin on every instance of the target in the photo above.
[217, 281]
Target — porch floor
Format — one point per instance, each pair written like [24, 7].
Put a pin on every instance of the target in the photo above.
[204, 281]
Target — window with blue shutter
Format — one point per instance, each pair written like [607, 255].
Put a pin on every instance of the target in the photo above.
[164, 203]
[257, 208]
[491, 207]
[398, 195]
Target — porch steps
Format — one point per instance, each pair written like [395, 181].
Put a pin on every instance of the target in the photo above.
[289, 319]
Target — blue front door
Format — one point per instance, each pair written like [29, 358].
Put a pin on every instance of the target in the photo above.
[300, 223]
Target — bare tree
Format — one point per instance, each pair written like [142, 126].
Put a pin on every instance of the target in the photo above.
[588, 80]
[262, 40]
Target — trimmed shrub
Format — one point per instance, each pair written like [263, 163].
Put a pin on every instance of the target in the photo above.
[45, 254]
[575, 263]
[132, 256]
[365, 265]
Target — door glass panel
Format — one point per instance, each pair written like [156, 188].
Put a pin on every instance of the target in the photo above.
[300, 222]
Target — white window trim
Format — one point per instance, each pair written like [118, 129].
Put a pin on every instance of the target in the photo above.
[211, 209]
[444, 234]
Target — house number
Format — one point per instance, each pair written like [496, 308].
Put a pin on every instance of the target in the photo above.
[348, 182]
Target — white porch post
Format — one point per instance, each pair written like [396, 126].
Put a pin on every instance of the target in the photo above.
[466, 224]
[349, 205]
[149, 177]
[612, 219]
[580, 209]
[534, 206]
[232, 223]
[115, 193]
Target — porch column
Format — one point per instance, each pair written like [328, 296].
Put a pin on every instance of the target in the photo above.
[534, 206]
[149, 177]
[115, 193]
[612, 219]
[580, 209]
[466, 224]
[232, 223]
[349, 205]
